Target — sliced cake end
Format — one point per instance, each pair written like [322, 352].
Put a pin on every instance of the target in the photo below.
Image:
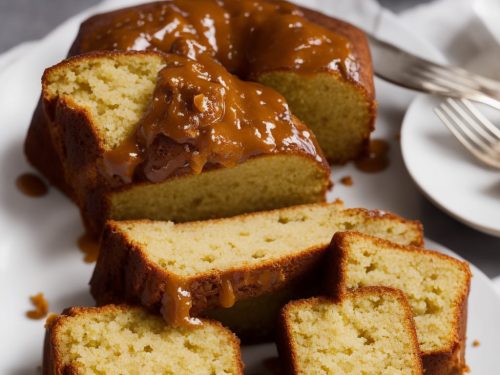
[370, 331]
[120, 339]
[436, 285]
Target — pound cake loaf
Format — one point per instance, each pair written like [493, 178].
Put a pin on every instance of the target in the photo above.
[145, 135]
[120, 339]
[436, 285]
[321, 65]
[369, 331]
[185, 269]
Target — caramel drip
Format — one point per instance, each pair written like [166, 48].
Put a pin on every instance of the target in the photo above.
[247, 36]
[177, 303]
[377, 159]
[227, 297]
[89, 246]
[202, 117]
[41, 307]
[346, 180]
[31, 185]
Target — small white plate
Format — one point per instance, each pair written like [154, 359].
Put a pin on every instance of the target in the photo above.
[446, 173]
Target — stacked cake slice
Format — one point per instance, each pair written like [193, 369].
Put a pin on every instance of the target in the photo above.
[436, 287]
[371, 331]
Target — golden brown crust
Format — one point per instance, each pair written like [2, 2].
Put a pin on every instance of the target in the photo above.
[286, 343]
[52, 358]
[124, 273]
[451, 360]
[41, 153]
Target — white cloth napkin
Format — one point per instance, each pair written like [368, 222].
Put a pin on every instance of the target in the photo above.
[467, 32]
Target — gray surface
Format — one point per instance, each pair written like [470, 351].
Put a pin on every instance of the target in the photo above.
[22, 20]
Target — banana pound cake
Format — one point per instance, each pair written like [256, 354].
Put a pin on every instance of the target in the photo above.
[120, 339]
[185, 269]
[321, 65]
[156, 136]
[436, 285]
[370, 331]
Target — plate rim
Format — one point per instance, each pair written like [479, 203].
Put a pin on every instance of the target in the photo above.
[419, 100]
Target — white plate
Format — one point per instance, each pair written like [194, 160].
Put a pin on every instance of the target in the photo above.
[446, 172]
[38, 236]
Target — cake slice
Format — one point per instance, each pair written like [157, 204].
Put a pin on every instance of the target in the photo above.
[185, 269]
[370, 331]
[120, 339]
[146, 135]
[436, 285]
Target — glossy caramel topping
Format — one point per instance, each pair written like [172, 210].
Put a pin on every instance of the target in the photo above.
[177, 303]
[227, 297]
[246, 36]
[202, 117]
[31, 185]
[89, 246]
[377, 159]
[41, 307]
[346, 180]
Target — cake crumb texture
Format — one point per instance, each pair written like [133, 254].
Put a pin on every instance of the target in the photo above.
[129, 340]
[368, 332]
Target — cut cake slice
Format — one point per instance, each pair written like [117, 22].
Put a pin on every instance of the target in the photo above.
[146, 135]
[436, 285]
[370, 331]
[184, 269]
[120, 339]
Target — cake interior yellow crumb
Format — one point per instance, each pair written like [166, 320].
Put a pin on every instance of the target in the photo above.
[253, 240]
[366, 334]
[341, 130]
[434, 286]
[117, 341]
[115, 91]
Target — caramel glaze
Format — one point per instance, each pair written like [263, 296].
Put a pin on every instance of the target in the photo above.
[41, 307]
[31, 185]
[377, 159]
[226, 295]
[88, 245]
[177, 299]
[177, 303]
[247, 37]
[202, 117]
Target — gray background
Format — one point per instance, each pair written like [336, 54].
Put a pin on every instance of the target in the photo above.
[22, 20]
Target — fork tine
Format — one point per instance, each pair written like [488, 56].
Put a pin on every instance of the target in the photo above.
[458, 120]
[465, 142]
[482, 119]
[472, 120]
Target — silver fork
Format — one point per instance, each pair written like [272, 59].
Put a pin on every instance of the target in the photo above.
[472, 129]
[410, 71]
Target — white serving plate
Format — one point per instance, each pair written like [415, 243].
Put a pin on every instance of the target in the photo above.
[38, 251]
